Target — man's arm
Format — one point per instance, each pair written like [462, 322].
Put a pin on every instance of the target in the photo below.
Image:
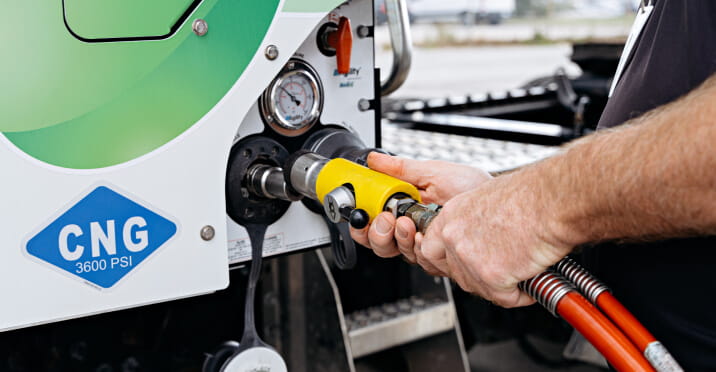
[654, 177]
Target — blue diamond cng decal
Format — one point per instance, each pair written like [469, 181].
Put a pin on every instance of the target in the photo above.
[101, 238]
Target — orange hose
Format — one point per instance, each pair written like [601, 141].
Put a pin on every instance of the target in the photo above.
[601, 333]
[631, 327]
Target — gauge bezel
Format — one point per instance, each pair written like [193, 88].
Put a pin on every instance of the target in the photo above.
[269, 110]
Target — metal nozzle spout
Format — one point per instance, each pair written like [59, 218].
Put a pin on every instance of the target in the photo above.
[267, 181]
[301, 173]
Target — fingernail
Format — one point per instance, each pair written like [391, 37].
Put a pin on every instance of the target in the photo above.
[402, 234]
[382, 226]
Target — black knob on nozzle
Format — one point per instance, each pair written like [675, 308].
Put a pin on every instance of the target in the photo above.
[358, 219]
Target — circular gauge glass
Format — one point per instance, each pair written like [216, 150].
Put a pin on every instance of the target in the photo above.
[292, 103]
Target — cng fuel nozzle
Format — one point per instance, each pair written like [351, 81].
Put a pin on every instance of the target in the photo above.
[354, 193]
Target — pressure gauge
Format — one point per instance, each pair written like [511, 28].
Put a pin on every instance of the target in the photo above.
[292, 103]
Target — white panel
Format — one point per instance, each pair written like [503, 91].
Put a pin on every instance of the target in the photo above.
[183, 179]
[300, 228]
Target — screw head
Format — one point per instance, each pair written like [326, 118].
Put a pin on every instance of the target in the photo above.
[271, 52]
[207, 232]
[363, 104]
[200, 27]
[363, 31]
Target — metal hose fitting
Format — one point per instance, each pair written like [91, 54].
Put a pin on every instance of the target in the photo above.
[268, 182]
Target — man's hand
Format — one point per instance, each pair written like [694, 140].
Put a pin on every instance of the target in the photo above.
[437, 182]
[488, 237]
[491, 238]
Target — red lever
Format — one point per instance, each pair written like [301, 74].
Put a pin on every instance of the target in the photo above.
[342, 41]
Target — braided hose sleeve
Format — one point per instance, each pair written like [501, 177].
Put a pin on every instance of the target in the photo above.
[600, 295]
[603, 334]
[560, 297]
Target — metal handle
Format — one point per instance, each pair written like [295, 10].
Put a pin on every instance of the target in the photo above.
[402, 45]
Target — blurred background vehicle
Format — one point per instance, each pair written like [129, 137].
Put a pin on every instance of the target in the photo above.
[493, 12]
[463, 11]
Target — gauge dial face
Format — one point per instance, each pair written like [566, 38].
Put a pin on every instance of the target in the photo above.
[295, 98]
[293, 101]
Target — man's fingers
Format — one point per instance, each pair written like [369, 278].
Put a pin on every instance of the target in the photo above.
[432, 249]
[408, 170]
[523, 300]
[464, 280]
[503, 295]
[440, 265]
[510, 299]
[429, 267]
[380, 236]
[405, 237]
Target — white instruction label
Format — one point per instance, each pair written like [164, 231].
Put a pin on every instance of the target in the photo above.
[240, 250]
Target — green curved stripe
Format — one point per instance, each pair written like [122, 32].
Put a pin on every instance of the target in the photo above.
[310, 6]
[92, 105]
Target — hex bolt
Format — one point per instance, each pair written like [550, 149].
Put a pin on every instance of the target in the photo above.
[207, 232]
[200, 27]
[271, 52]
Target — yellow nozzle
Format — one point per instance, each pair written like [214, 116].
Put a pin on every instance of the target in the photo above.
[372, 189]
